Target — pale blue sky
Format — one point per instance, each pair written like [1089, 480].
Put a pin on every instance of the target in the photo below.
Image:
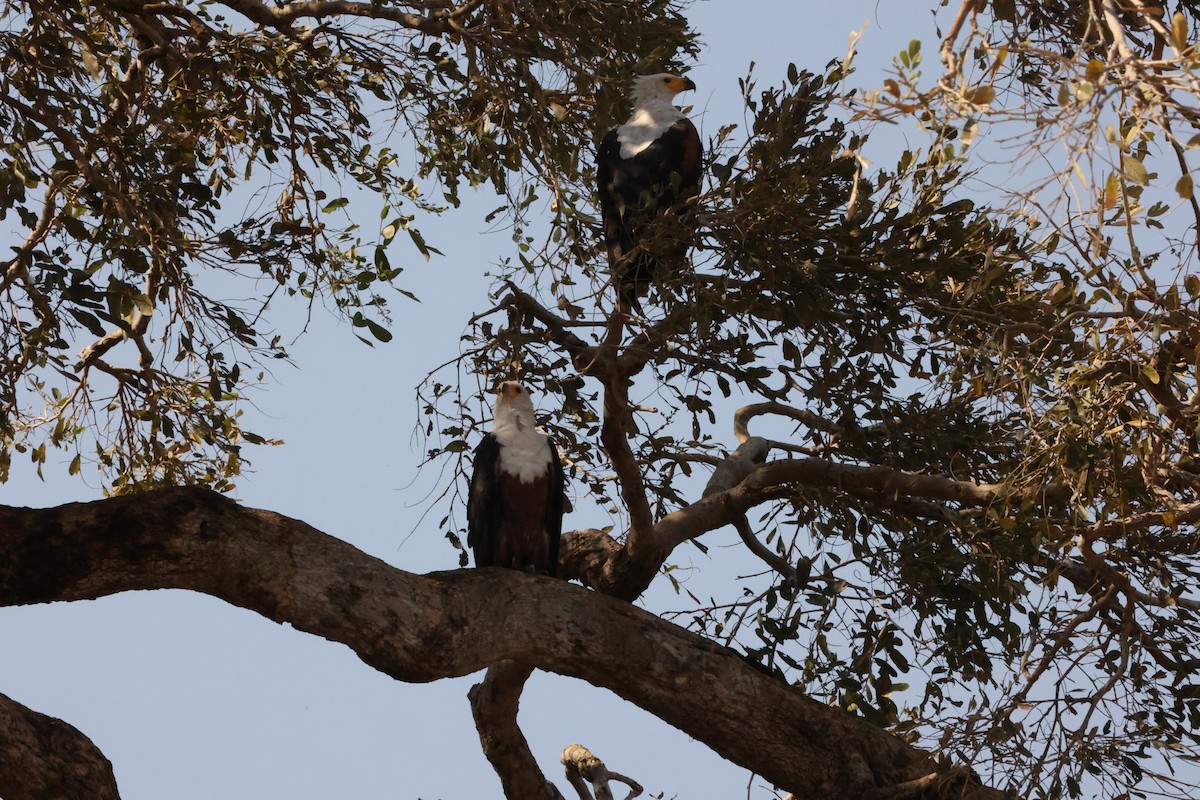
[193, 700]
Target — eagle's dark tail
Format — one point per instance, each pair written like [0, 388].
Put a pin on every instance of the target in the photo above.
[632, 268]
[634, 280]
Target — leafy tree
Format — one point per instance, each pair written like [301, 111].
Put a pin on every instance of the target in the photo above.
[977, 524]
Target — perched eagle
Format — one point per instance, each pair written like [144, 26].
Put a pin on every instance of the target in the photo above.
[515, 505]
[647, 167]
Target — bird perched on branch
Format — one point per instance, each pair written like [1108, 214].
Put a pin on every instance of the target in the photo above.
[515, 503]
[647, 167]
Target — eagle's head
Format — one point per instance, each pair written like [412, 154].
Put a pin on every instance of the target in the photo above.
[514, 405]
[662, 86]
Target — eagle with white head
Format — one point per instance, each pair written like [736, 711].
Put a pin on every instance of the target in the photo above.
[515, 503]
[649, 166]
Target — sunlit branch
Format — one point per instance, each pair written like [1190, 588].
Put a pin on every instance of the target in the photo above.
[135, 330]
[1117, 30]
[949, 57]
[581, 768]
[926, 785]
[1109, 530]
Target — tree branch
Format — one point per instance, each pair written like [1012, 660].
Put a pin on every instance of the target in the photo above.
[556, 327]
[42, 757]
[283, 15]
[947, 49]
[615, 429]
[740, 464]
[580, 765]
[770, 481]
[741, 419]
[494, 706]
[422, 628]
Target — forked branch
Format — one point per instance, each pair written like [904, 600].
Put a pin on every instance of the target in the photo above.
[582, 768]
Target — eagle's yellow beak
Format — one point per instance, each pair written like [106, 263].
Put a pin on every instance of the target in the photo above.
[511, 389]
[680, 84]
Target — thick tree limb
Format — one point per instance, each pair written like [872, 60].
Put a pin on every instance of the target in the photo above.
[422, 628]
[43, 758]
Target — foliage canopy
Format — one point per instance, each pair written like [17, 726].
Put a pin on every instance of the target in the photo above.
[978, 524]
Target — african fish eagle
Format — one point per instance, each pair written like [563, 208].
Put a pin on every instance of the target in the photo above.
[515, 504]
[647, 167]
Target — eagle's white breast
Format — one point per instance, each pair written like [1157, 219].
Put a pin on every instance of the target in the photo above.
[646, 124]
[524, 451]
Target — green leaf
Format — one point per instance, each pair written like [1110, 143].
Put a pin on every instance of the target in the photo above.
[378, 331]
[87, 320]
[1192, 284]
[1179, 32]
[1111, 188]
[143, 304]
[1184, 187]
[1135, 170]
[980, 95]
